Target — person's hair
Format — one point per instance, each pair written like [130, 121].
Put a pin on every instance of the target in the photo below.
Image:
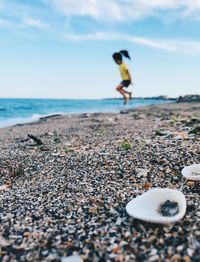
[118, 56]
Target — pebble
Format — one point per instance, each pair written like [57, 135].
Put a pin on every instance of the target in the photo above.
[142, 173]
[176, 258]
[190, 183]
[4, 187]
[74, 258]
[190, 252]
[153, 258]
[45, 252]
[180, 248]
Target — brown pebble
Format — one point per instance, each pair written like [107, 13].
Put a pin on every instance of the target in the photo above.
[176, 258]
[147, 185]
[161, 175]
[27, 234]
[190, 183]
[186, 259]
[132, 179]
[116, 249]
[93, 210]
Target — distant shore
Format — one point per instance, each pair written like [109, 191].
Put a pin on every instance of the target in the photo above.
[179, 99]
[65, 182]
[146, 98]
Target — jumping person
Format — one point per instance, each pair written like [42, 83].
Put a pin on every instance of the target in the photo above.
[126, 77]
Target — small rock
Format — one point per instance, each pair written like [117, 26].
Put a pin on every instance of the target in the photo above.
[147, 185]
[124, 112]
[45, 252]
[190, 183]
[186, 259]
[74, 258]
[142, 173]
[176, 258]
[153, 258]
[4, 187]
[190, 252]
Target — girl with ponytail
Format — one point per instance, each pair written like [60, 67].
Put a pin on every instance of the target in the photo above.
[126, 77]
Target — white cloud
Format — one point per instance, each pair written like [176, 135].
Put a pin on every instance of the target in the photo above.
[35, 23]
[19, 16]
[170, 45]
[102, 9]
[10, 24]
[122, 10]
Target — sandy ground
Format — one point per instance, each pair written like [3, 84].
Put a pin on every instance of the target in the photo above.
[68, 195]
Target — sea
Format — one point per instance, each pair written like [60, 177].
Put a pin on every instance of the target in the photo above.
[19, 111]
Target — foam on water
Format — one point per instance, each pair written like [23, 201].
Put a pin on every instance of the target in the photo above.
[31, 119]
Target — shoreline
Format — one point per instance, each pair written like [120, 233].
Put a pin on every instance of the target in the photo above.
[37, 117]
[68, 195]
[173, 105]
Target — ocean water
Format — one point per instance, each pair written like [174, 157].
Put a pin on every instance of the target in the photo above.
[16, 111]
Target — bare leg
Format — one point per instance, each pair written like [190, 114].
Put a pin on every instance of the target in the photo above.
[128, 93]
[123, 93]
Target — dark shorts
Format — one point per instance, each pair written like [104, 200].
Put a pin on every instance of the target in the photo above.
[126, 83]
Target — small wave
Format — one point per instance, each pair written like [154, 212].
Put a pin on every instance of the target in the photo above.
[20, 107]
[16, 108]
[31, 119]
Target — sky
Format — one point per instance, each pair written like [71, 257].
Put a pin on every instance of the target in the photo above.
[63, 48]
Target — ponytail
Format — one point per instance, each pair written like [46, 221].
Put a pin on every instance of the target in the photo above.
[125, 53]
[118, 56]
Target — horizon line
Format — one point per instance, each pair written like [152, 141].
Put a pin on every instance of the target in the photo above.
[59, 98]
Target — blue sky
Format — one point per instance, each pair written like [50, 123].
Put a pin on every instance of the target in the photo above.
[63, 48]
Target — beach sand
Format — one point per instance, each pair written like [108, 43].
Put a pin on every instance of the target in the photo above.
[69, 194]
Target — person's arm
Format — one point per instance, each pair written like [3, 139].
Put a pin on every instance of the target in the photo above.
[129, 77]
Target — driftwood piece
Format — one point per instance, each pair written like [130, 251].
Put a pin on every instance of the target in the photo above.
[37, 140]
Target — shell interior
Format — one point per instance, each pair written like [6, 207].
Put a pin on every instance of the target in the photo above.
[146, 207]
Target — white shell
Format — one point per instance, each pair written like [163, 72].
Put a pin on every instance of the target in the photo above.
[188, 171]
[145, 207]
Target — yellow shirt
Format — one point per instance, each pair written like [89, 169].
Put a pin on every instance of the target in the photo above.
[123, 70]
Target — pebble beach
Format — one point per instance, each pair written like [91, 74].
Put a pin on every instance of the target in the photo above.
[67, 195]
